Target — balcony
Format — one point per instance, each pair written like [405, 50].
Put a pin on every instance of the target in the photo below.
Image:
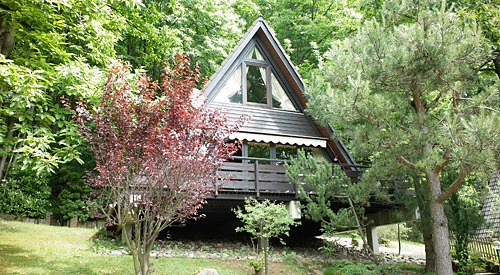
[263, 178]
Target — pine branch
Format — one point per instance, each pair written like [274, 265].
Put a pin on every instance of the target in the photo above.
[406, 162]
[454, 187]
[440, 166]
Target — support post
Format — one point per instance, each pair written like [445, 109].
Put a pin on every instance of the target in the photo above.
[257, 178]
[372, 238]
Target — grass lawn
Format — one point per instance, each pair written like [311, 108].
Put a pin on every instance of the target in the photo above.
[40, 249]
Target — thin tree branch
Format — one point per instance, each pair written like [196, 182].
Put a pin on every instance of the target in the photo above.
[440, 166]
[454, 187]
[406, 162]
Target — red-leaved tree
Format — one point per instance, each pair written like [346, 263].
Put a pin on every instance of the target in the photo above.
[157, 152]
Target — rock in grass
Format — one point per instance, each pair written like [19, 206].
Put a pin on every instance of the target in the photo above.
[206, 271]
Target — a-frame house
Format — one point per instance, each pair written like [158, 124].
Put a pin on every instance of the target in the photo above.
[258, 79]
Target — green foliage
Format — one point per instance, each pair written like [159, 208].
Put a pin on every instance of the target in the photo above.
[404, 93]
[365, 83]
[409, 232]
[34, 126]
[289, 257]
[69, 189]
[351, 268]
[328, 184]
[208, 30]
[265, 219]
[25, 194]
[257, 264]
[485, 15]
[308, 27]
[464, 216]
[345, 267]
[60, 48]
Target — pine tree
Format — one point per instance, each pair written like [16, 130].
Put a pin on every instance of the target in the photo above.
[404, 92]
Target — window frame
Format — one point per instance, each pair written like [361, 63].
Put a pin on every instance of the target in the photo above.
[262, 64]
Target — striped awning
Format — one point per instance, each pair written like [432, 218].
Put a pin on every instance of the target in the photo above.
[301, 141]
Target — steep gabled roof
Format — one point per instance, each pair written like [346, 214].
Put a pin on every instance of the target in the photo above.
[261, 30]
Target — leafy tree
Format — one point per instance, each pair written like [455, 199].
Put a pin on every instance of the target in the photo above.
[61, 47]
[208, 30]
[308, 27]
[329, 185]
[406, 95]
[264, 220]
[51, 52]
[25, 194]
[155, 30]
[485, 15]
[156, 151]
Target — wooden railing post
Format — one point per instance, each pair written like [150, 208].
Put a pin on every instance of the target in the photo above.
[257, 178]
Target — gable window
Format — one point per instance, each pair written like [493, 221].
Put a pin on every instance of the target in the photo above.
[254, 83]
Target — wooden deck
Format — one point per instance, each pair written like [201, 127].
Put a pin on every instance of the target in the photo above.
[262, 178]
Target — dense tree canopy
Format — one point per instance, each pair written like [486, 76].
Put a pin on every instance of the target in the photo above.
[306, 28]
[56, 48]
[405, 91]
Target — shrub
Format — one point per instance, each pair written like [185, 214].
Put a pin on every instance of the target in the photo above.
[25, 194]
[69, 189]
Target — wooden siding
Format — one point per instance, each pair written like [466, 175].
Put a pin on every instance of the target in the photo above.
[263, 176]
[270, 121]
[256, 178]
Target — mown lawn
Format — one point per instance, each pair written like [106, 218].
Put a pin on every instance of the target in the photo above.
[40, 249]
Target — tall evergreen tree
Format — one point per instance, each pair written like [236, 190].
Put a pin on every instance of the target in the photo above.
[404, 92]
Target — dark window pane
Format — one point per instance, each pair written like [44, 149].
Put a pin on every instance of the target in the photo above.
[256, 85]
[256, 150]
[238, 153]
[286, 152]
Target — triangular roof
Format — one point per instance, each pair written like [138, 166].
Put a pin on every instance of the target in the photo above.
[263, 32]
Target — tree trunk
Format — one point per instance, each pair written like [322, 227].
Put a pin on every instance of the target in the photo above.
[430, 255]
[421, 188]
[265, 258]
[145, 263]
[439, 224]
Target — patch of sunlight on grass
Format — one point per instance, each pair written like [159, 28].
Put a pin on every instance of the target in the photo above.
[40, 249]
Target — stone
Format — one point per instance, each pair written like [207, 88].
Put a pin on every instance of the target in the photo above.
[207, 271]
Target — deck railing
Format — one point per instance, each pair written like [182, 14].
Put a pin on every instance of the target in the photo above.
[260, 175]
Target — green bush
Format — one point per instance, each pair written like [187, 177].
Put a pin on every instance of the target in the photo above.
[25, 194]
[69, 189]
[346, 267]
